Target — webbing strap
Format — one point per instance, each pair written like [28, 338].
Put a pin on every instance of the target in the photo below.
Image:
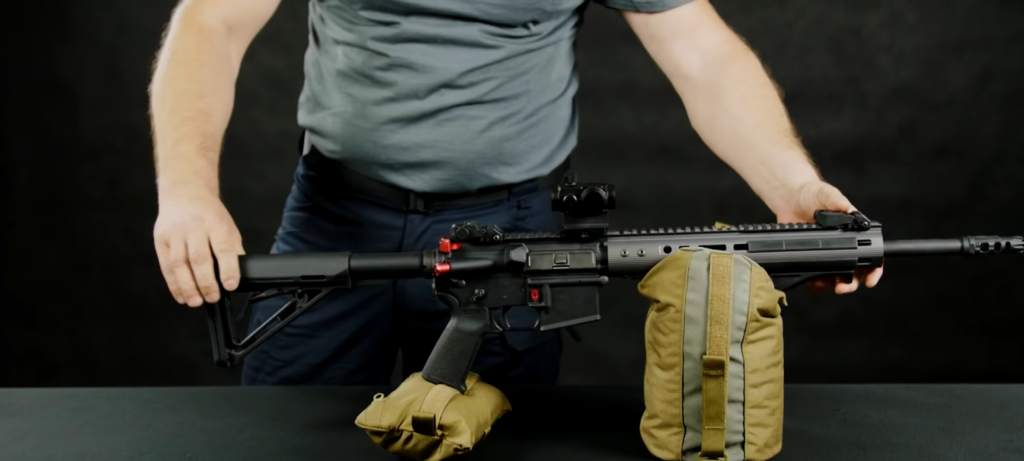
[714, 383]
[424, 420]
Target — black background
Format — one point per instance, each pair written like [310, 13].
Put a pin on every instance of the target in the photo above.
[911, 107]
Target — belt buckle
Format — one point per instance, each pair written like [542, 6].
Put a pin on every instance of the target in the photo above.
[414, 202]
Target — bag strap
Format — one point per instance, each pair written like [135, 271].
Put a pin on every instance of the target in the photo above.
[715, 380]
[424, 420]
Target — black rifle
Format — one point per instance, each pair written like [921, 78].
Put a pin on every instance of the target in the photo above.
[481, 272]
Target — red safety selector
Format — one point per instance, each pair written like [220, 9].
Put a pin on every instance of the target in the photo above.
[442, 268]
[446, 245]
[535, 295]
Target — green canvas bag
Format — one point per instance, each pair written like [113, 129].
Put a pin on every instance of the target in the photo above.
[713, 382]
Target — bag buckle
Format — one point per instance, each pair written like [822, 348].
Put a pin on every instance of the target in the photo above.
[712, 455]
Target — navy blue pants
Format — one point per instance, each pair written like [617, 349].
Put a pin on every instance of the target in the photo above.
[353, 336]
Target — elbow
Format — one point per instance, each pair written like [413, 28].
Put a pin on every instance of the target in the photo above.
[707, 59]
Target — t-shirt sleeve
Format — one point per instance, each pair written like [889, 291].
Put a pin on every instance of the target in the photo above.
[642, 6]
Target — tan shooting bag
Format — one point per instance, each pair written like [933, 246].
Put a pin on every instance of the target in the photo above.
[429, 422]
[713, 384]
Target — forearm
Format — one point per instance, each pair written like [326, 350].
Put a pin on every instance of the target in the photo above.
[738, 112]
[191, 99]
[732, 103]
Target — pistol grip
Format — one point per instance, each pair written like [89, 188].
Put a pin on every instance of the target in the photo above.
[453, 355]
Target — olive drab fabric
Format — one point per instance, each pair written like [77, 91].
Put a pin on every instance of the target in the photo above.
[429, 422]
[713, 382]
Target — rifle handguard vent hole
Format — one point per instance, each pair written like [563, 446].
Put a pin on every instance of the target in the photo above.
[667, 249]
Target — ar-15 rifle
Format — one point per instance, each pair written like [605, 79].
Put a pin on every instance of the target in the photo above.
[481, 272]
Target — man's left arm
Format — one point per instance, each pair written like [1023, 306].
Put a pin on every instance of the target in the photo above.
[737, 110]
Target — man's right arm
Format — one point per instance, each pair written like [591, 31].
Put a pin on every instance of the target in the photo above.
[191, 99]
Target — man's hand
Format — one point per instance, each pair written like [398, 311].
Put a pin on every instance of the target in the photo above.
[812, 196]
[190, 232]
[191, 98]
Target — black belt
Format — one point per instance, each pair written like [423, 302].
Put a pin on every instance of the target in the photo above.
[408, 200]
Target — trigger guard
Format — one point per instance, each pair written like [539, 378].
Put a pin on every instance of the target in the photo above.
[508, 326]
[448, 300]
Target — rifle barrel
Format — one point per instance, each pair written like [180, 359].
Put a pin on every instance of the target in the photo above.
[968, 246]
[933, 247]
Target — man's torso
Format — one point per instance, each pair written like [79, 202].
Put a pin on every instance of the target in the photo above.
[442, 95]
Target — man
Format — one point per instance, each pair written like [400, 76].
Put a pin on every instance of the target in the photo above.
[418, 114]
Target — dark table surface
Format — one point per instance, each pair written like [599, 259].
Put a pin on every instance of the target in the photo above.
[851, 422]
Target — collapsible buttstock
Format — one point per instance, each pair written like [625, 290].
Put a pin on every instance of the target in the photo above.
[218, 320]
[228, 351]
[294, 270]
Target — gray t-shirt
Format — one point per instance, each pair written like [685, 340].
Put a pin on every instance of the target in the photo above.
[446, 95]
